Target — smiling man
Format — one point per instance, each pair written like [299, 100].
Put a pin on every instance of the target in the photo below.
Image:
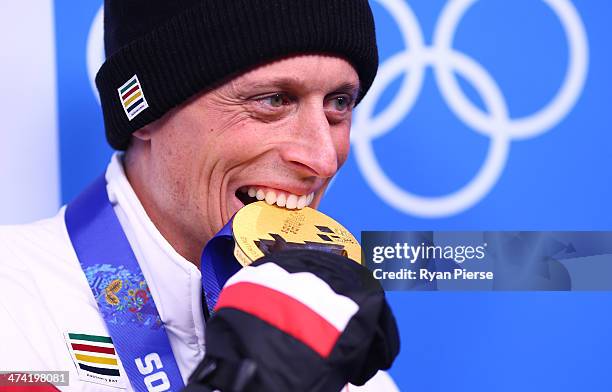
[279, 132]
[213, 104]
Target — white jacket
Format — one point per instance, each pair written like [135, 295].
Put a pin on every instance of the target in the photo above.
[44, 294]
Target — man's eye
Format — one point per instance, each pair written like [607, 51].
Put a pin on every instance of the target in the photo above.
[341, 103]
[276, 100]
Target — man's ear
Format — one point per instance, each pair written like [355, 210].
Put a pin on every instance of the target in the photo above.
[143, 133]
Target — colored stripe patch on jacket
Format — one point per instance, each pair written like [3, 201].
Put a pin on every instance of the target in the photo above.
[95, 358]
[132, 98]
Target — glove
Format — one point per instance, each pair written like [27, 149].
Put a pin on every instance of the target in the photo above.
[297, 320]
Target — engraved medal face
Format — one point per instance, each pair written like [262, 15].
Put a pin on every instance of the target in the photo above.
[260, 229]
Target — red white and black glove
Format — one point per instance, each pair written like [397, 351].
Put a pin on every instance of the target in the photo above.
[298, 320]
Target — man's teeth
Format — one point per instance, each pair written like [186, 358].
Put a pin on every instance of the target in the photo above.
[281, 199]
[291, 202]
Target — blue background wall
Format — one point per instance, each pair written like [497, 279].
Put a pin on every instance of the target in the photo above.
[558, 179]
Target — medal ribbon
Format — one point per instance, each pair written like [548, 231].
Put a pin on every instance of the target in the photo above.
[111, 268]
[106, 257]
[218, 264]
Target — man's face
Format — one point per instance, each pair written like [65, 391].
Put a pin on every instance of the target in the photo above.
[280, 130]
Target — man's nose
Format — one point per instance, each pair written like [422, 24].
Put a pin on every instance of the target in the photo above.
[312, 148]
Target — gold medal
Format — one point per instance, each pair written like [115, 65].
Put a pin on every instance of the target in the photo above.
[260, 229]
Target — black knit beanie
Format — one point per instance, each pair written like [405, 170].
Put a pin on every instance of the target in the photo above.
[162, 52]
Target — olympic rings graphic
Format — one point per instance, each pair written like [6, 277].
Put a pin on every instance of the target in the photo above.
[495, 123]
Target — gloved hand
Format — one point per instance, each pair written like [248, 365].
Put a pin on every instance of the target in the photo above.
[298, 320]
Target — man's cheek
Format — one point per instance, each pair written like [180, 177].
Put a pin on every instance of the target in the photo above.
[237, 150]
